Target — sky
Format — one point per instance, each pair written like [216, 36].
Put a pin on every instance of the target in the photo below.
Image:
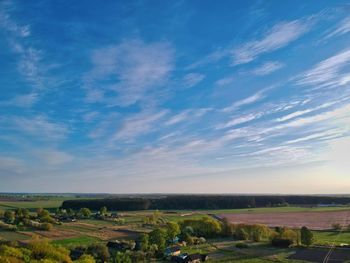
[191, 96]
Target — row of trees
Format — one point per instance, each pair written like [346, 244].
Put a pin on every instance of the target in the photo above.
[201, 202]
[21, 218]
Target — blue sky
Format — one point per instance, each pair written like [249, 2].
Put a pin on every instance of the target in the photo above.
[175, 96]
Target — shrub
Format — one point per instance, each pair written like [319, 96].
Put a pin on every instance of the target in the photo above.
[282, 243]
[337, 226]
[242, 245]
[7, 227]
[241, 233]
[45, 226]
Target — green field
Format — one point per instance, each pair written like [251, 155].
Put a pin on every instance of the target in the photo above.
[12, 236]
[330, 237]
[74, 241]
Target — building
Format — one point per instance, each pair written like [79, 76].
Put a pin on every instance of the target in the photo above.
[172, 251]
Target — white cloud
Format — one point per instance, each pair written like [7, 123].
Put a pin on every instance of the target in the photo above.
[24, 101]
[187, 114]
[134, 69]
[320, 135]
[268, 68]
[249, 100]
[225, 81]
[240, 120]
[9, 24]
[192, 79]
[343, 27]
[277, 37]
[139, 124]
[54, 157]
[328, 73]
[30, 59]
[302, 112]
[39, 127]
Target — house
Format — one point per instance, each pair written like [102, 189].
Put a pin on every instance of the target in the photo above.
[172, 251]
[193, 258]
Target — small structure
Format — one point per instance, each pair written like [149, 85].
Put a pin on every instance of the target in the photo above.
[172, 251]
[193, 258]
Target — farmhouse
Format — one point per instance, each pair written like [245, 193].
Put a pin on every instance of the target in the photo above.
[193, 258]
[172, 251]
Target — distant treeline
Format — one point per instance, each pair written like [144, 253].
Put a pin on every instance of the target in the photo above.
[202, 202]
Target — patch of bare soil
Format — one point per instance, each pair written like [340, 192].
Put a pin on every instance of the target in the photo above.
[312, 220]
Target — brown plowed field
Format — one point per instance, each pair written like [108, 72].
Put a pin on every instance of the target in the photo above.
[312, 220]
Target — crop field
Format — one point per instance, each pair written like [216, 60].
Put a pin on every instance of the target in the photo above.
[319, 220]
[84, 232]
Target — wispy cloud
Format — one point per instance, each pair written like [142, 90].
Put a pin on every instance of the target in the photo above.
[225, 81]
[329, 72]
[24, 101]
[343, 27]
[277, 37]
[329, 134]
[187, 114]
[139, 124]
[192, 79]
[240, 120]
[53, 157]
[249, 100]
[134, 69]
[40, 127]
[268, 68]
[30, 59]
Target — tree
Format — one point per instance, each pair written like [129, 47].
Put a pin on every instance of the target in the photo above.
[144, 242]
[306, 236]
[337, 226]
[226, 228]
[103, 210]
[122, 258]
[22, 213]
[241, 233]
[172, 229]
[158, 237]
[9, 216]
[85, 212]
[85, 259]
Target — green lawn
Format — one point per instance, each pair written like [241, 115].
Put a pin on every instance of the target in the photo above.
[328, 237]
[74, 241]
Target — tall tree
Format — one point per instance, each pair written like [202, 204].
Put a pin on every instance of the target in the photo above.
[306, 236]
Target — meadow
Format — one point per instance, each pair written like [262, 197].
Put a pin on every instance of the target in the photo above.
[131, 224]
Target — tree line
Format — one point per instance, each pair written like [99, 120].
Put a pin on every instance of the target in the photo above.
[202, 202]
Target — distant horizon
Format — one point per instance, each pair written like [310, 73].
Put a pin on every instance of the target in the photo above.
[157, 96]
[235, 194]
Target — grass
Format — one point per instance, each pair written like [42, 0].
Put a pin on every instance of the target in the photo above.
[74, 241]
[13, 236]
[51, 203]
[328, 237]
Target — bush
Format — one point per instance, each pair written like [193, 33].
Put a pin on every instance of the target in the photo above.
[242, 245]
[337, 226]
[241, 233]
[206, 226]
[7, 227]
[280, 242]
[45, 226]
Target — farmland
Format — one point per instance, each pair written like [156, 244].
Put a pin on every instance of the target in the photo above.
[130, 225]
[316, 220]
